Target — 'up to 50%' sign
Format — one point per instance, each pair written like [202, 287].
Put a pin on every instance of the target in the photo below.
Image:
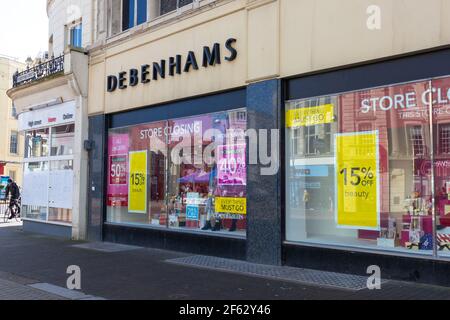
[357, 181]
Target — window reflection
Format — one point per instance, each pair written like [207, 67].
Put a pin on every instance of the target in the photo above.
[185, 188]
[394, 122]
[36, 143]
[63, 140]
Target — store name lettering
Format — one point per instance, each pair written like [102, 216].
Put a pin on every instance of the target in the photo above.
[406, 101]
[173, 66]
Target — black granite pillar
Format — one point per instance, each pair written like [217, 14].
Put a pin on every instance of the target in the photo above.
[264, 231]
[96, 189]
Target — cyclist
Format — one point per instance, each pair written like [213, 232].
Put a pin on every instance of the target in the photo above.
[13, 189]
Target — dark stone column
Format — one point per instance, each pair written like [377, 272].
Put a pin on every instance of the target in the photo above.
[96, 188]
[264, 232]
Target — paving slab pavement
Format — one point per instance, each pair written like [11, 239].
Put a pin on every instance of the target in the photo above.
[145, 274]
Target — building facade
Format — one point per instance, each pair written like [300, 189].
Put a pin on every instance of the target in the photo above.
[353, 108]
[11, 143]
[51, 101]
[280, 132]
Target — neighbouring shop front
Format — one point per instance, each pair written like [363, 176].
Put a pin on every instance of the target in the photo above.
[48, 167]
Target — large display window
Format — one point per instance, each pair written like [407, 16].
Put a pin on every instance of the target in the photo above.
[369, 168]
[184, 174]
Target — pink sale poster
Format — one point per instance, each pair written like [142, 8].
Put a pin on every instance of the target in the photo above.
[232, 165]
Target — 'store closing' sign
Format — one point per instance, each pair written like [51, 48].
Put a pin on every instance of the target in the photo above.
[231, 205]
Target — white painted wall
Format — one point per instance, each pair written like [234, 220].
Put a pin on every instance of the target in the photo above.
[62, 13]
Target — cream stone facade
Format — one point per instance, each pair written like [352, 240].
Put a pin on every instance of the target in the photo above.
[10, 156]
[269, 63]
[275, 39]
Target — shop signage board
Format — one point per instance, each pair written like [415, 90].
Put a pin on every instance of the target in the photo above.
[231, 205]
[232, 168]
[55, 115]
[172, 66]
[357, 181]
[311, 116]
[137, 181]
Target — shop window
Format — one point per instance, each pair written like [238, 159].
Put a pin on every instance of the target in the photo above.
[37, 143]
[61, 165]
[34, 212]
[134, 12]
[60, 215]
[14, 142]
[441, 127]
[186, 174]
[63, 140]
[34, 193]
[30, 167]
[371, 186]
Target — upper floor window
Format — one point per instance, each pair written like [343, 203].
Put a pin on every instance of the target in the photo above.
[14, 142]
[172, 5]
[13, 111]
[134, 12]
[76, 36]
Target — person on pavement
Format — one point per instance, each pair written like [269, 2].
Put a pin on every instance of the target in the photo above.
[13, 189]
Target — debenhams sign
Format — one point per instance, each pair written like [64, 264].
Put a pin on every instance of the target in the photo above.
[172, 66]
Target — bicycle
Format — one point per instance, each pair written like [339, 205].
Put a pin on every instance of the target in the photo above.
[15, 210]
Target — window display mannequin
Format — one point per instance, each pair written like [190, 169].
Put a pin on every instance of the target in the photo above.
[209, 211]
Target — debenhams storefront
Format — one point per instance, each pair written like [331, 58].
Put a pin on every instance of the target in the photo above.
[356, 122]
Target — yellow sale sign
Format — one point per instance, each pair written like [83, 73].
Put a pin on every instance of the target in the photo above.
[231, 205]
[137, 182]
[311, 116]
[357, 181]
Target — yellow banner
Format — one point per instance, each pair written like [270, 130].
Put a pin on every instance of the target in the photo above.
[357, 181]
[310, 116]
[231, 205]
[137, 182]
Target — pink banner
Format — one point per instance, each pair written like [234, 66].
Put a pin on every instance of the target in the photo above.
[232, 165]
[118, 145]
